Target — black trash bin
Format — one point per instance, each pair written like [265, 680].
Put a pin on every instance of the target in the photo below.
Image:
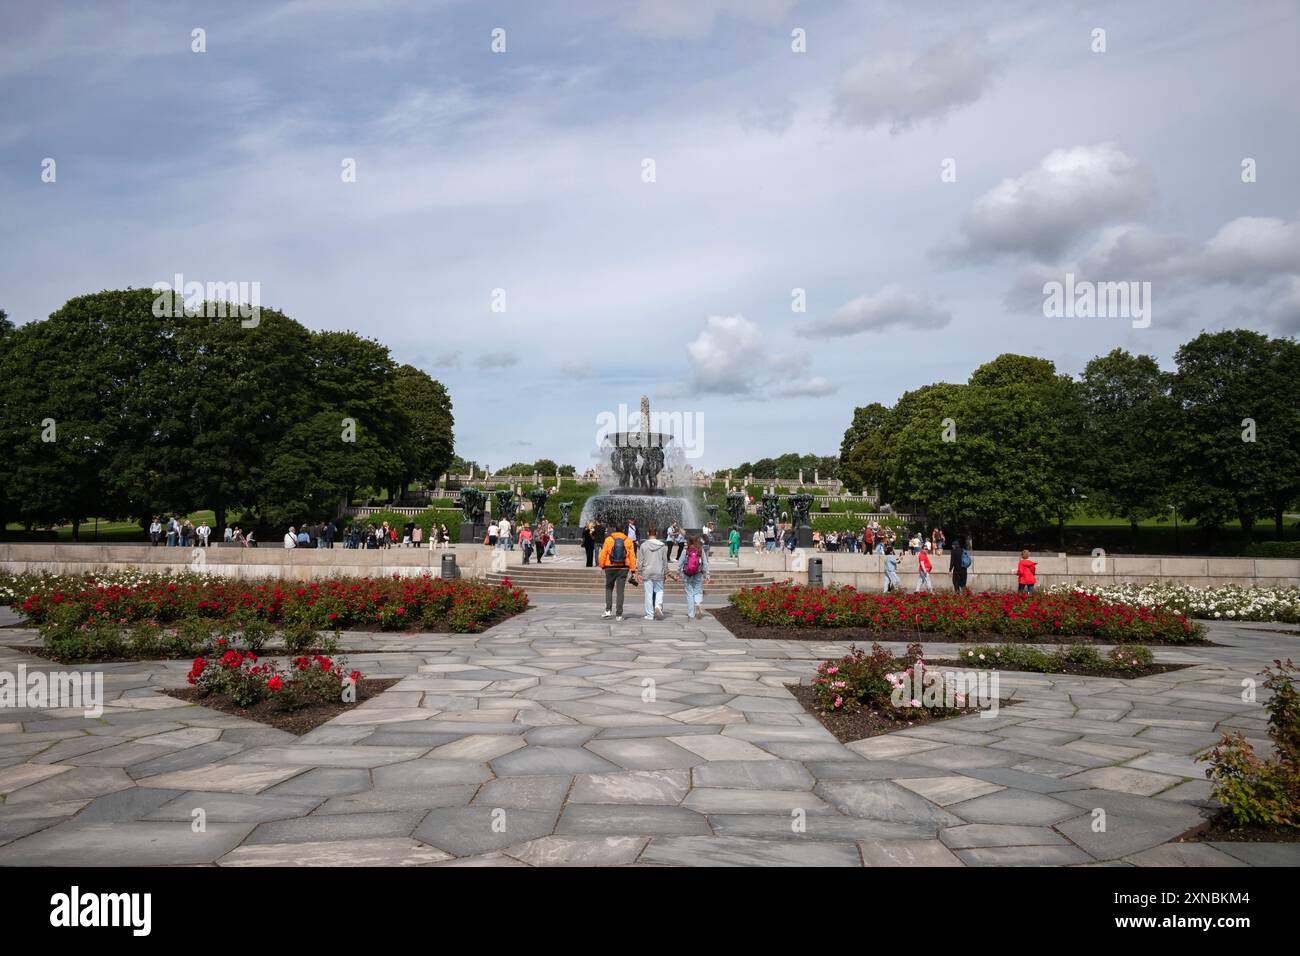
[815, 572]
[449, 569]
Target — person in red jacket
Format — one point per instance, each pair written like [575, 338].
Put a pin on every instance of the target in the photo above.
[1026, 574]
[923, 582]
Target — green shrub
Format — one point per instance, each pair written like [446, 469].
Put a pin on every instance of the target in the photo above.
[1257, 792]
[1130, 657]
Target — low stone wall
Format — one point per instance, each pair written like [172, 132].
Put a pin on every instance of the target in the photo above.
[997, 572]
[296, 564]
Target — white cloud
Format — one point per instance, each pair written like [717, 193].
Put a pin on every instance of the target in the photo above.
[902, 89]
[891, 306]
[493, 360]
[731, 357]
[1045, 211]
[693, 19]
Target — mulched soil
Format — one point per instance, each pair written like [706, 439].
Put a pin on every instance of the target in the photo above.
[294, 721]
[731, 618]
[867, 723]
[1219, 830]
[1075, 669]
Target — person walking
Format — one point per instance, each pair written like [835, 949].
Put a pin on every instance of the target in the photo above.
[959, 562]
[733, 542]
[1026, 574]
[417, 535]
[492, 534]
[541, 538]
[204, 532]
[618, 559]
[526, 542]
[693, 571]
[589, 542]
[654, 566]
[923, 566]
[891, 571]
[503, 535]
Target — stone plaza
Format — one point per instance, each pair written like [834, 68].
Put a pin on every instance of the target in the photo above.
[559, 738]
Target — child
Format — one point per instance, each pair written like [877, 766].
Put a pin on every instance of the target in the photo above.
[1026, 574]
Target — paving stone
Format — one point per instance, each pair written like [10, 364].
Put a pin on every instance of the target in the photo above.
[580, 851]
[946, 790]
[324, 782]
[645, 753]
[328, 756]
[659, 730]
[233, 807]
[753, 774]
[480, 747]
[1013, 807]
[818, 826]
[1184, 854]
[464, 831]
[226, 777]
[326, 828]
[990, 834]
[378, 801]
[385, 736]
[1124, 779]
[77, 783]
[906, 853]
[1020, 780]
[1024, 856]
[551, 761]
[123, 844]
[633, 820]
[882, 800]
[743, 851]
[1195, 792]
[959, 757]
[1262, 854]
[1170, 764]
[25, 774]
[717, 800]
[430, 773]
[383, 852]
[135, 803]
[13, 829]
[720, 747]
[561, 735]
[524, 793]
[197, 756]
[1133, 823]
[643, 787]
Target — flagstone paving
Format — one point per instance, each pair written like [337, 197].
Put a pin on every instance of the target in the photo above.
[559, 738]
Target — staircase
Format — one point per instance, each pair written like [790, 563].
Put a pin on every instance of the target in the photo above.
[565, 578]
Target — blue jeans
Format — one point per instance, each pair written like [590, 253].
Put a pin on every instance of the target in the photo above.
[654, 595]
[694, 584]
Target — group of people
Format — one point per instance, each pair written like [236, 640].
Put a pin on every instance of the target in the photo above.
[875, 539]
[369, 536]
[627, 559]
[534, 540]
[177, 533]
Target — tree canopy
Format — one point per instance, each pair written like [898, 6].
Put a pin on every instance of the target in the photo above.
[115, 409]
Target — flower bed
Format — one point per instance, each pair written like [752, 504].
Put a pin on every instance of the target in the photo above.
[797, 609]
[114, 616]
[1123, 660]
[310, 692]
[1230, 602]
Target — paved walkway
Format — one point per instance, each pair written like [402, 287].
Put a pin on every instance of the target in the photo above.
[539, 743]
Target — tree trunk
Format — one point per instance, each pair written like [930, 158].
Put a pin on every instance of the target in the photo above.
[219, 519]
[1133, 526]
[76, 529]
[1279, 524]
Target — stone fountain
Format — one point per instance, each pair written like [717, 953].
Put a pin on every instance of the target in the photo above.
[639, 462]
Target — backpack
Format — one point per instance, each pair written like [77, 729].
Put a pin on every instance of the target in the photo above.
[965, 559]
[692, 561]
[618, 554]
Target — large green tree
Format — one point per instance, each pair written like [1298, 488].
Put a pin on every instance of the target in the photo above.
[1128, 422]
[1239, 441]
[862, 452]
[425, 450]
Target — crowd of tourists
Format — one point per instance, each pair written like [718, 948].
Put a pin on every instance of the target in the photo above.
[534, 540]
[627, 557]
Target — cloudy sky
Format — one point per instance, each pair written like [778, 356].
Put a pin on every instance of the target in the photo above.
[917, 170]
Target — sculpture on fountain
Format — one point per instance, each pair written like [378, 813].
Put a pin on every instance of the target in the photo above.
[736, 507]
[507, 506]
[472, 505]
[538, 497]
[770, 509]
[800, 505]
[565, 508]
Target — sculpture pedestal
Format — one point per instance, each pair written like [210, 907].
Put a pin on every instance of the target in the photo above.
[472, 533]
[803, 537]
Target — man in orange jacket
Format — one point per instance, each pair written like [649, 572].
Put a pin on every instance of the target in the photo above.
[618, 558]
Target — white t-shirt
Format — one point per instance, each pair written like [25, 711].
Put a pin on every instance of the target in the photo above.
[492, 531]
[504, 528]
[289, 540]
